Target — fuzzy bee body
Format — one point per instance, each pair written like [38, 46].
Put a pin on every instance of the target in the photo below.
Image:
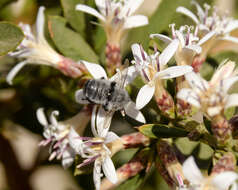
[106, 93]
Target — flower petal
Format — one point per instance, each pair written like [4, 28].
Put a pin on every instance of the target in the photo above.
[53, 119]
[191, 171]
[196, 82]
[188, 13]
[130, 7]
[89, 10]
[174, 71]
[111, 137]
[232, 25]
[189, 96]
[80, 98]
[200, 11]
[41, 117]
[168, 52]
[100, 121]
[14, 71]
[225, 179]
[109, 170]
[230, 38]
[197, 49]
[162, 37]
[40, 22]
[74, 141]
[135, 21]
[144, 96]
[231, 101]
[96, 70]
[207, 37]
[228, 82]
[101, 4]
[133, 112]
[67, 158]
[97, 174]
[139, 54]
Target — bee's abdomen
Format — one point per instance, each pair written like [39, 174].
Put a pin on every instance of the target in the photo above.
[96, 91]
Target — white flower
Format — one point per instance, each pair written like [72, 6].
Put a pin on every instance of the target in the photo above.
[116, 15]
[188, 41]
[197, 181]
[57, 134]
[211, 97]
[36, 50]
[95, 150]
[100, 117]
[211, 25]
[152, 69]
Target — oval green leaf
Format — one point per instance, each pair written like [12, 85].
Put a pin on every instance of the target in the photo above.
[161, 131]
[70, 43]
[11, 36]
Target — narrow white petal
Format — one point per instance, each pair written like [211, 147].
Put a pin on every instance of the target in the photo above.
[97, 174]
[103, 122]
[194, 48]
[67, 158]
[40, 22]
[231, 26]
[74, 140]
[135, 21]
[111, 137]
[230, 38]
[53, 119]
[109, 170]
[144, 96]
[189, 96]
[196, 82]
[96, 70]
[41, 116]
[207, 37]
[101, 4]
[200, 11]
[14, 71]
[231, 101]
[134, 113]
[136, 51]
[130, 7]
[223, 72]
[162, 37]
[188, 13]
[93, 121]
[227, 83]
[80, 98]
[180, 37]
[168, 52]
[89, 10]
[224, 180]
[191, 171]
[174, 71]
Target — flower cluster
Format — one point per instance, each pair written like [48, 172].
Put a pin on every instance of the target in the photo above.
[105, 92]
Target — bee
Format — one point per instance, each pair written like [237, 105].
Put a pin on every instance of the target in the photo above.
[107, 93]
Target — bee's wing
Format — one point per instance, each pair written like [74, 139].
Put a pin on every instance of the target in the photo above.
[80, 98]
[126, 76]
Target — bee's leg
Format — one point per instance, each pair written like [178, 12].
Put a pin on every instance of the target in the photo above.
[90, 101]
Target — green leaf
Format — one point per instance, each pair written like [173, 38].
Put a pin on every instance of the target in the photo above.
[75, 18]
[70, 43]
[11, 36]
[133, 183]
[161, 131]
